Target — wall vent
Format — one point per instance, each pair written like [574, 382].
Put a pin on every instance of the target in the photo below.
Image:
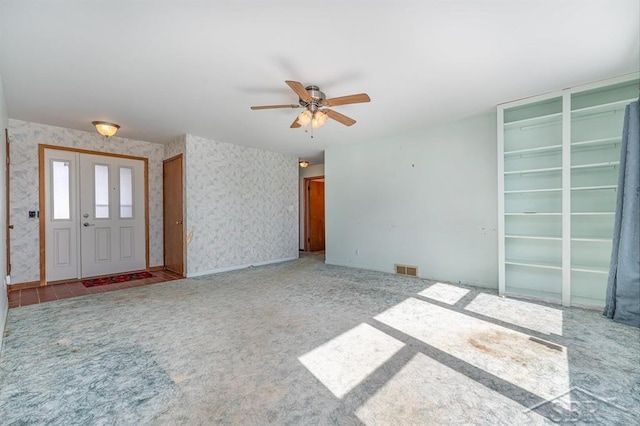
[408, 270]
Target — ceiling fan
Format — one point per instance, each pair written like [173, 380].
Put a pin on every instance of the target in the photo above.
[315, 103]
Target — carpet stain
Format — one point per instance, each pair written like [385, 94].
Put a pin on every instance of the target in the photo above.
[179, 378]
[499, 345]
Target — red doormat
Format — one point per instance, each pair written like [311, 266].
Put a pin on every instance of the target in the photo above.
[94, 282]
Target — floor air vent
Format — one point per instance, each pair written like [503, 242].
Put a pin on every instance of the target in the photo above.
[408, 270]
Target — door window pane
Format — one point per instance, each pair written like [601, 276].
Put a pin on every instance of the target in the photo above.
[61, 189]
[126, 192]
[101, 190]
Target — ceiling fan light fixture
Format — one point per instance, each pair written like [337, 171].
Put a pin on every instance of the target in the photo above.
[319, 119]
[105, 128]
[312, 100]
[303, 164]
[305, 118]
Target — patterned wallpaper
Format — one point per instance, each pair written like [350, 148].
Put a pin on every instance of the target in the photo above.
[242, 206]
[175, 147]
[4, 305]
[24, 139]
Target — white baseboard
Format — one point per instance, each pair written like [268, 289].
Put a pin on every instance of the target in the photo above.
[234, 268]
[391, 271]
[357, 266]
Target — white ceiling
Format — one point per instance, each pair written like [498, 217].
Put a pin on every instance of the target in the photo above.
[164, 68]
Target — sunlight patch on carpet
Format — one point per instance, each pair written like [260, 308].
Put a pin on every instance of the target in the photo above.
[445, 293]
[430, 393]
[535, 317]
[507, 354]
[345, 361]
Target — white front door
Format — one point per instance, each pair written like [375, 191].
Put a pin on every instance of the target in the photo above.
[112, 214]
[95, 215]
[61, 214]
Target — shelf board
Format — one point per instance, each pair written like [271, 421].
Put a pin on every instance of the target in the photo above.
[541, 119]
[596, 165]
[526, 237]
[593, 240]
[549, 169]
[593, 213]
[603, 141]
[543, 265]
[533, 214]
[534, 150]
[590, 269]
[525, 191]
[611, 106]
[589, 188]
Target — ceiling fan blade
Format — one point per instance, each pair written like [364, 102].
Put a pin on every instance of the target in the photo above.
[295, 124]
[297, 87]
[275, 106]
[351, 99]
[340, 118]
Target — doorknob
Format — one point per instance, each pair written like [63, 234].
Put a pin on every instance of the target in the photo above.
[88, 224]
[179, 222]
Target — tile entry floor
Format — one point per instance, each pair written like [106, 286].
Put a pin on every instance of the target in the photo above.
[32, 296]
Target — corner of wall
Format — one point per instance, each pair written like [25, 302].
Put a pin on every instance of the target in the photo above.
[4, 302]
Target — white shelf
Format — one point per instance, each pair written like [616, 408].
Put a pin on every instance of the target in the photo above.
[549, 169]
[533, 214]
[526, 237]
[563, 168]
[534, 150]
[596, 165]
[589, 188]
[602, 108]
[603, 141]
[541, 119]
[532, 264]
[591, 269]
[525, 191]
[593, 213]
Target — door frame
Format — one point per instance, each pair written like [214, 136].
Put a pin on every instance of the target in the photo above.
[42, 199]
[306, 208]
[7, 199]
[184, 245]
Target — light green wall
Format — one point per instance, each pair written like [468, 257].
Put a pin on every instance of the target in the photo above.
[426, 198]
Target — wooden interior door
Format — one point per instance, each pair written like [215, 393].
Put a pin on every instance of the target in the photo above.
[316, 215]
[173, 215]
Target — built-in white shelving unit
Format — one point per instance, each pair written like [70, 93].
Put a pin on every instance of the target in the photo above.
[559, 158]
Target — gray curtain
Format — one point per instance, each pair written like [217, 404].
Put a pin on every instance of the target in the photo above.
[623, 287]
